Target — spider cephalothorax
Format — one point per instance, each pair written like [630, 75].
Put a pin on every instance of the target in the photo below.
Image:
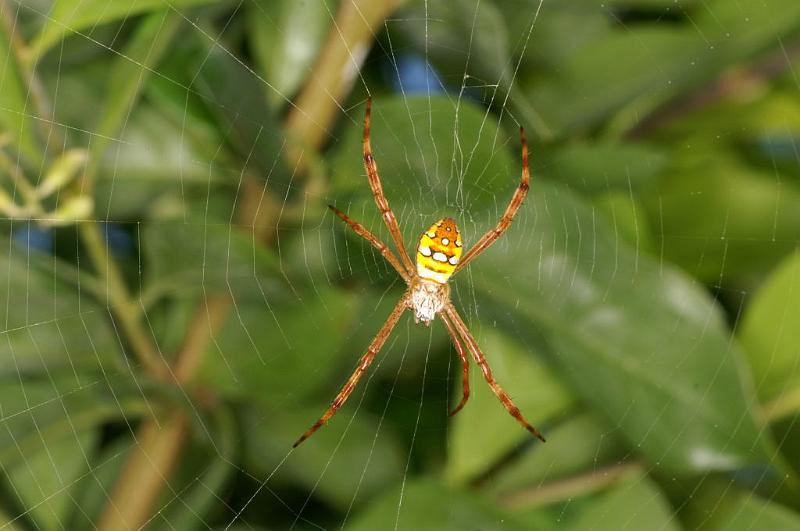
[428, 294]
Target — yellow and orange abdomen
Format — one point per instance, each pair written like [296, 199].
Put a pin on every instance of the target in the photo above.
[439, 251]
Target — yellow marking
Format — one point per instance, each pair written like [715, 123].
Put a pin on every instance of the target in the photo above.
[439, 251]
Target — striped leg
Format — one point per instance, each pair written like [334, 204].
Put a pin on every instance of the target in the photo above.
[477, 355]
[380, 199]
[372, 239]
[516, 201]
[363, 364]
[464, 362]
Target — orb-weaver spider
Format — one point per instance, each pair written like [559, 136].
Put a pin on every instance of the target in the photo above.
[428, 294]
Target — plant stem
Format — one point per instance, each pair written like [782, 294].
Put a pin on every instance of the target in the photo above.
[34, 86]
[334, 72]
[25, 188]
[723, 87]
[208, 320]
[144, 477]
[159, 444]
[783, 406]
[147, 46]
[123, 308]
[149, 464]
[570, 488]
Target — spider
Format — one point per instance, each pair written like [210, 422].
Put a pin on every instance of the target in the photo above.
[439, 256]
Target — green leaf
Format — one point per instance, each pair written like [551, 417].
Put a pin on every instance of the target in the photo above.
[92, 490]
[16, 109]
[234, 97]
[38, 413]
[285, 36]
[434, 161]
[159, 170]
[769, 333]
[595, 82]
[345, 463]
[694, 212]
[49, 324]
[631, 335]
[469, 42]
[483, 432]
[74, 16]
[626, 331]
[45, 482]
[129, 73]
[667, 5]
[741, 30]
[429, 506]
[579, 444]
[462, 37]
[636, 504]
[9, 522]
[204, 478]
[599, 168]
[628, 219]
[752, 512]
[271, 347]
[717, 506]
[199, 255]
[408, 346]
[553, 37]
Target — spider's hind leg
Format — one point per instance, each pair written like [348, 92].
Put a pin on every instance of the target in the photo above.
[363, 365]
[464, 364]
[479, 358]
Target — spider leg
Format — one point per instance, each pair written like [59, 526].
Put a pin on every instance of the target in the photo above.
[363, 364]
[464, 361]
[372, 239]
[516, 201]
[380, 198]
[472, 345]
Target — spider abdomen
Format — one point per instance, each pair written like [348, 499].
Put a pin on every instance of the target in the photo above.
[439, 251]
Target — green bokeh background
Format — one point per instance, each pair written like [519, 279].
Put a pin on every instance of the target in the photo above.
[180, 305]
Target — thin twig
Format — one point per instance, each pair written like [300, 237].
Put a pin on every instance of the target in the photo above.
[334, 72]
[570, 488]
[123, 308]
[725, 86]
[207, 322]
[260, 212]
[783, 406]
[149, 464]
[25, 188]
[35, 88]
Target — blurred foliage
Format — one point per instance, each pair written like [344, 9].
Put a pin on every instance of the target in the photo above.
[641, 311]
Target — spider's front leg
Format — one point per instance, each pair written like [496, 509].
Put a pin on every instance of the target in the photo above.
[362, 231]
[377, 192]
[511, 210]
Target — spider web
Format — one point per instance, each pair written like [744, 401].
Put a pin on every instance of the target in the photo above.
[382, 442]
